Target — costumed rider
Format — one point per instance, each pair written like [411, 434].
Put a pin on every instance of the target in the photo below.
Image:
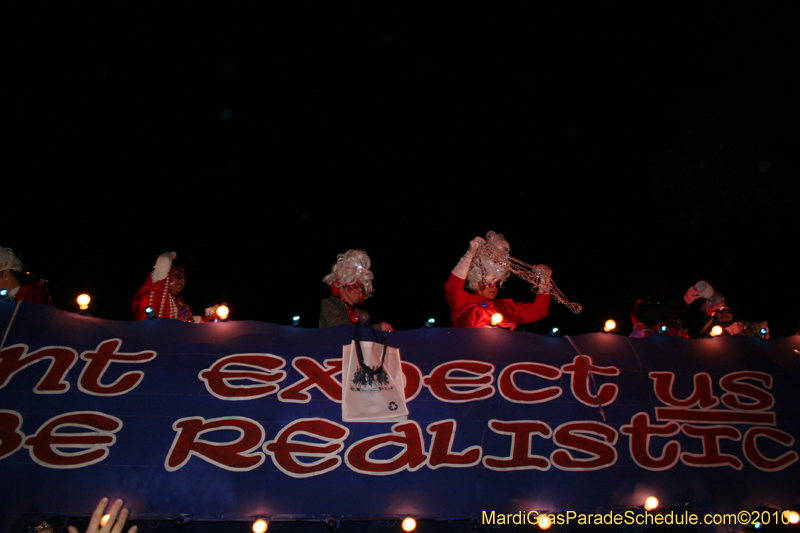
[20, 286]
[688, 317]
[351, 283]
[160, 293]
[471, 290]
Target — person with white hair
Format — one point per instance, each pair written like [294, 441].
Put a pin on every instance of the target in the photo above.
[472, 288]
[160, 292]
[350, 280]
[18, 284]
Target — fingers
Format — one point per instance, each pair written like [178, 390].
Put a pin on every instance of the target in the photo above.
[113, 516]
[386, 327]
[94, 523]
[123, 517]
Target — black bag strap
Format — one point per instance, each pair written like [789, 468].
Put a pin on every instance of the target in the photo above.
[357, 339]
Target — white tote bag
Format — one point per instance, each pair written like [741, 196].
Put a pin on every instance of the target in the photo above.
[374, 391]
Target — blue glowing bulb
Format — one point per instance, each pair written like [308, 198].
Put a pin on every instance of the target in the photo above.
[295, 320]
[763, 331]
[430, 322]
[663, 329]
[149, 311]
[554, 331]
[3, 293]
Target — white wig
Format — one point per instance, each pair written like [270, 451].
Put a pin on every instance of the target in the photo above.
[486, 270]
[9, 260]
[350, 267]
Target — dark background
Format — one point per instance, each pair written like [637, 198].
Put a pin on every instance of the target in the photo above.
[629, 147]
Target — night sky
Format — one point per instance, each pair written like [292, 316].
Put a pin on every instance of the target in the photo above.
[629, 148]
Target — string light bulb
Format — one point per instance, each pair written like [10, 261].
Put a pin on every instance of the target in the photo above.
[496, 319]
[430, 322]
[223, 311]
[716, 330]
[104, 520]
[793, 517]
[609, 325]
[260, 526]
[83, 302]
[296, 320]
[409, 524]
[651, 503]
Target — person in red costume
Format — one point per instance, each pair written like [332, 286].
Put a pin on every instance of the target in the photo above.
[160, 292]
[471, 290]
[20, 286]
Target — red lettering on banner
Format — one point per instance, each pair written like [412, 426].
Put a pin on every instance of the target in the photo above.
[10, 435]
[735, 387]
[448, 388]
[712, 455]
[758, 459]
[640, 431]
[314, 375]
[285, 449]
[98, 362]
[45, 446]
[441, 450]
[702, 394]
[582, 370]
[521, 458]
[256, 383]
[405, 435]
[413, 377]
[511, 392]
[576, 436]
[13, 359]
[238, 455]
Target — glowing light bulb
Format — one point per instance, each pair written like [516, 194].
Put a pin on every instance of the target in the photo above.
[223, 312]
[554, 331]
[793, 517]
[3, 293]
[296, 320]
[409, 524]
[105, 519]
[260, 526]
[430, 322]
[83, 302]
[148, 311]
[662, 329]
[716, 330]
[610, 324]
[496, 319]
[651, 503]
[544, 521]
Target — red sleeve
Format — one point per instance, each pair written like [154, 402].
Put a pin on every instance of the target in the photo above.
[533, 311]
[454, 293]
[35, 292]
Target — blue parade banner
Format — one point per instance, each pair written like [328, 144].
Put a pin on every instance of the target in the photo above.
[232, 420]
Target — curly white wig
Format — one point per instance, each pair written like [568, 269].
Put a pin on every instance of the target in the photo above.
[9, 260]
[484, 269]
[350, 267]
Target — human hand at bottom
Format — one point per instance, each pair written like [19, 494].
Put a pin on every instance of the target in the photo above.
[386, 327]
[113, 525]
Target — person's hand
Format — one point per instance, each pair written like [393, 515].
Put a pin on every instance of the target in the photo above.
[113, 525]
[546, 271]
[386, 327]
[545, 274]
[475, 243]
[692, 294]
